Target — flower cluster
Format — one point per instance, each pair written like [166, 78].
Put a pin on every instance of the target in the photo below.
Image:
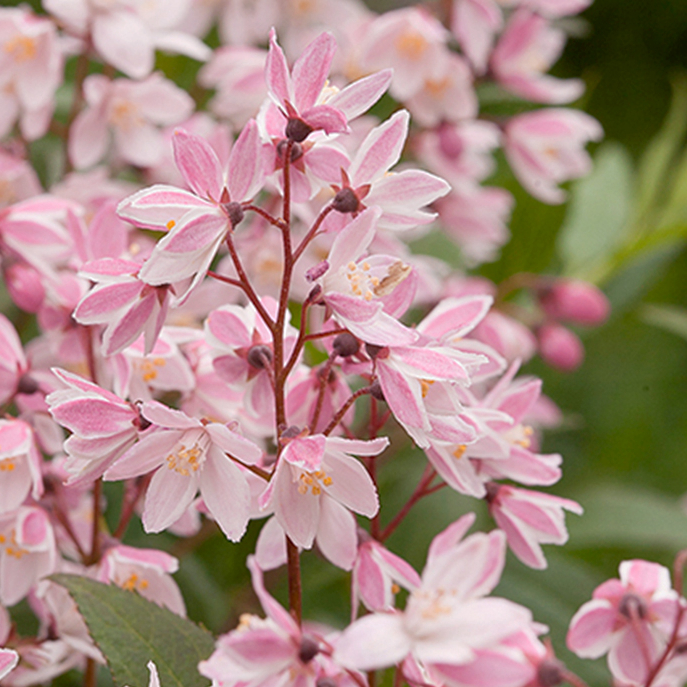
[232, 324]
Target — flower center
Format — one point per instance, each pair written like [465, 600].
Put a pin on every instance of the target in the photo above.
[8, 464]
[148, 368]
[11, 546]
[313, 481]
[134, 583]
[124, 115]
[185, 460]
[411, 44]
[22, 48]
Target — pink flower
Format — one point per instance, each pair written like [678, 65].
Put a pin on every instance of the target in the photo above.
[316, 481]
[263, 652]
[133, 111]
[237, 72]
[546, 148]
[408, 373]
[529, 519]
[242, 352]
[448, 96]
[126, 33]
[13, 365]
[631, 619]
[527, 48]
[189, 455]
[126, 305]
[377, 574]
[20, 465]
[475, 23]
[197, 220]
[30, 71]
[476, 218]
[410, 41]
[361, 289]
[18, 180]
[446, 619]
[145, 571]
[103, 425]
[27, 552]
[400, 195]
[296, 92]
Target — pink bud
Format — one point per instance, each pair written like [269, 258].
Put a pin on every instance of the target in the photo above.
[560, 347]
[576, 301]
[25, 287]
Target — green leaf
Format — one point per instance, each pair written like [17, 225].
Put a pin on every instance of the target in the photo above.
[596, 220]
[656, 165]
[632, 517]
[130, 631]
[668, 317]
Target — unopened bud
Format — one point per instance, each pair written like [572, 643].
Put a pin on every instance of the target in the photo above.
[575, 301]
[345, 345]
[560, 347]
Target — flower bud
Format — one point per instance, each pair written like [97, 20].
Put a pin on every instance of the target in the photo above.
[560, 347]
[575, 301]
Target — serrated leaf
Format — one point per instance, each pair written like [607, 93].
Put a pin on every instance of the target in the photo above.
[597, 216]
[668, 317]
[130, 631]
[632, 517]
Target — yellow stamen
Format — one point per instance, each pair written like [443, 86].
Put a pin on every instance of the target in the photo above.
[411, 44]
[425, 384]
[460, 450]
[170, 224]
[22, 48]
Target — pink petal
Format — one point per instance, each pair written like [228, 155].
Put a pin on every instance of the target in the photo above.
[8, 660]
[327, 118]
[169, 495]
[224, 489]
[198, 164]
[380, 150]
[337, 538]
[273, 609]
[246, 168]
[277, 73]
[591, 629]
[100, 302]
[359, 96]
[124, 41]
[351, 484]
[146, 455]
[311, 70]
[159, 206]
[376, 641]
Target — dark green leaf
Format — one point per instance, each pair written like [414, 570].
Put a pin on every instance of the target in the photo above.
[130, 631]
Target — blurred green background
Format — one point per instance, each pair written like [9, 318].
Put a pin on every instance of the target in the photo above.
[625, 439]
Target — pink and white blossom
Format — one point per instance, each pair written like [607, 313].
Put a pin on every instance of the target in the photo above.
[446, 618]
[189, 456]
[631, 619]
[546, 148]
[132, 112]
[317, 480]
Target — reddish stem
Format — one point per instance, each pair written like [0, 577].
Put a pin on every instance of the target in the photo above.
[324, 335]
[344, 409]
[246, 285]
[420, 491]
[312, 232]
[264, 214]
[324, 377]
[295, 591]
